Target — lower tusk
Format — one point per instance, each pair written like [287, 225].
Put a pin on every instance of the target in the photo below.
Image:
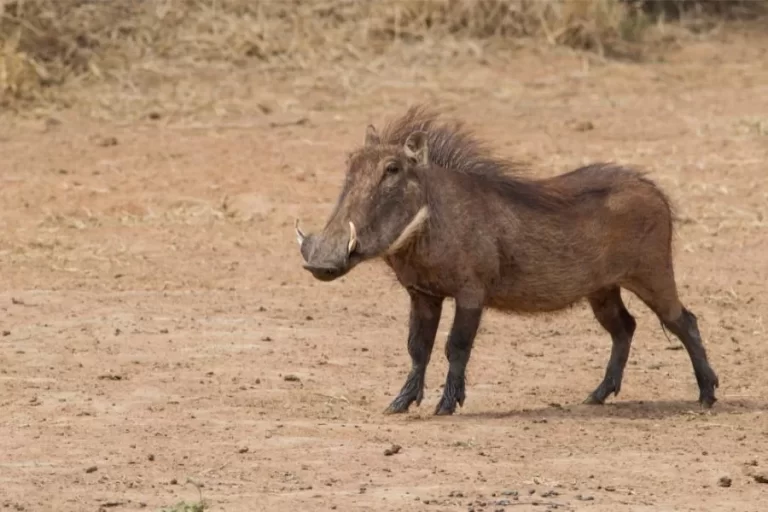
[299, 235]
[352, 238]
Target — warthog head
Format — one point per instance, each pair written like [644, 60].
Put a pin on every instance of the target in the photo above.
[381, 206]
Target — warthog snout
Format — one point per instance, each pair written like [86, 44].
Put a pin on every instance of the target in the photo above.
[326, 256]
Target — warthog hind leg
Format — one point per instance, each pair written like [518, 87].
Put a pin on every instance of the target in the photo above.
[686, 328]
[611, 313]
[659, 292]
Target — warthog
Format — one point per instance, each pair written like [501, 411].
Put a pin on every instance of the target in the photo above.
[452, 220]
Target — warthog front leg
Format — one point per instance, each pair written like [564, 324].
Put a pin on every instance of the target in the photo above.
[457, 350]
[425, 317]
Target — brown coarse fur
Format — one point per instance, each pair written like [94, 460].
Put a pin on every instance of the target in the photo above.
[535, 245]
[453, 220]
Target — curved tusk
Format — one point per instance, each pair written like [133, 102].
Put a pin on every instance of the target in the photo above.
[352, 238]
[299, 235]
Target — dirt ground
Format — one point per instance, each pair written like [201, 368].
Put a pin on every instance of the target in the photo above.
[159, 333]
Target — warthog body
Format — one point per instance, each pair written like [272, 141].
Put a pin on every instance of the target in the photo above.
[452, 220]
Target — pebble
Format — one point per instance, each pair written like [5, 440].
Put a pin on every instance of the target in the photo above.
[392, 450]
[724, 481]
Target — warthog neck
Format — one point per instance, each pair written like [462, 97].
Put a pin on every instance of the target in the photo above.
[409, 231]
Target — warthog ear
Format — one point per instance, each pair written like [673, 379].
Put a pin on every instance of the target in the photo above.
[371, 136]
[416, 147]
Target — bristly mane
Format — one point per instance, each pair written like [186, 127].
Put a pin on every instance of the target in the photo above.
[456, 149]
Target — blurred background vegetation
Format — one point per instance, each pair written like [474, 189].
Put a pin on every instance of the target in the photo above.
[49, 44]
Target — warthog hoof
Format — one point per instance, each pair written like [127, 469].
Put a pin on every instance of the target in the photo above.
[593, 400]
[401, 404]
[413, 391]
[452, 394]
[611, 384]
[707, 399]
[707, 387]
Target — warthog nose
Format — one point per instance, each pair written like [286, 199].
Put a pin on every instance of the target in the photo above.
[324, 273]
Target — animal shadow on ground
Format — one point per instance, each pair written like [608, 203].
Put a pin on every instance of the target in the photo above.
[631, 410]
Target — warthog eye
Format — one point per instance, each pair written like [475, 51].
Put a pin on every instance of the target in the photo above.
[392, 168]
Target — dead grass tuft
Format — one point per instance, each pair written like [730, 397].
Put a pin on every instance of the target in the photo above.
[723, 9]
[608, 27]
[47, 43]
[19, 76]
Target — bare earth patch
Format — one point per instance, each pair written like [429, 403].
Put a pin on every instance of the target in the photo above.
[157, 326]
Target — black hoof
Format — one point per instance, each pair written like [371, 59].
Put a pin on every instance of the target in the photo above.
[452, 394]
[603, 391]
[412, 392]
[592, 399]
[400, 405]
[446, 407]
[707, 391]
[707, 400]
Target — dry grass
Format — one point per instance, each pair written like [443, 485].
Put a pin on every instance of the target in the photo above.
[47, 43]
[605, 26]
[727, 9]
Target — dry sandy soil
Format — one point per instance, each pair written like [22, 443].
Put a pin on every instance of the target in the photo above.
[157, 325]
